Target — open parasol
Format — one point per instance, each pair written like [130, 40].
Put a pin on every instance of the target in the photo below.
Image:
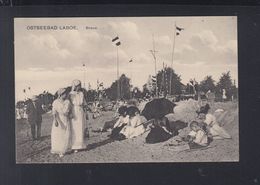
[158, 108]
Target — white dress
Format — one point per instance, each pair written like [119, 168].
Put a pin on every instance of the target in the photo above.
[78, 121]
[122, 120]
[215, 129]
[60, 136]
[200, 137]
[134, 128]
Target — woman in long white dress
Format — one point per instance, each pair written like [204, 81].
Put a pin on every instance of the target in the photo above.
[78, 121]
[61, 128]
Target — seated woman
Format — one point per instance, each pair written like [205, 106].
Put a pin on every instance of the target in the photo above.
[120, 124]
[212, 125]
[160, 131]
[134, 127]
[163, 129]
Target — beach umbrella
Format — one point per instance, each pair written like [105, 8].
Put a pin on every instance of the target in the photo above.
[158, 108]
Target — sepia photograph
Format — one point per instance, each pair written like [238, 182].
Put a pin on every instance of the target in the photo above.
[126, 89]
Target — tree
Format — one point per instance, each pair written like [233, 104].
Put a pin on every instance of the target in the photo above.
[124, 87]
[91, 95]
[225, 82]
[207, 84]
[163, 81]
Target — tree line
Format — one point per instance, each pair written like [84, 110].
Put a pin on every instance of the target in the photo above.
[167, 81]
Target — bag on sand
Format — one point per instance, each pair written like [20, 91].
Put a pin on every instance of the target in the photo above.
[157, 134]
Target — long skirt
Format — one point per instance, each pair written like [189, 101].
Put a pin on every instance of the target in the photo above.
[131, 132]
[60, 139]
[78, 125]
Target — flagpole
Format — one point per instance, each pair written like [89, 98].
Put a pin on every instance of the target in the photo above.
[118, 85]
[117, 43]
[131, 76]
[84, 68]
[156, 87]
[173, 47]
[164, 80]
[155, 67]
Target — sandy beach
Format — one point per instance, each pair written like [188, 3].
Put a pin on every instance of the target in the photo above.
[100, 149]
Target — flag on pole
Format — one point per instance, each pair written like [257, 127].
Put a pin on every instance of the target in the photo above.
[116, 41]
[178, 30]
[154, 79]
[131, 60]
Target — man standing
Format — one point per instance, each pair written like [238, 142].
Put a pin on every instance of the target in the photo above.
[34, 112]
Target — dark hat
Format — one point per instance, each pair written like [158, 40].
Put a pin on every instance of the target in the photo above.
[122, 110]
[132, 110]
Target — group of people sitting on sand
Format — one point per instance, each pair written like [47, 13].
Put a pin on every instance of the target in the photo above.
[202, 130]
[129, 123]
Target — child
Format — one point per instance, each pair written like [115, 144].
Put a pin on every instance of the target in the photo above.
[198, 137]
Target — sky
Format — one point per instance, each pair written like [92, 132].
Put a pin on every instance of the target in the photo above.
[51, 59]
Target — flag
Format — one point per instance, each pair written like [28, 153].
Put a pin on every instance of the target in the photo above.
[131, 60]
[178, 30]
[101, 84]
[83, 65]
[154, 79]
[24, 90]
[29, 88]
[116, 40]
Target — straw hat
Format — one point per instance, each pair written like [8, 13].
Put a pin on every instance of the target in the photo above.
[61, 91]
[34, 98]
[76, 82]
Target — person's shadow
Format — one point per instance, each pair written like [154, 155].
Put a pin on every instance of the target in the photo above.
[99, 144]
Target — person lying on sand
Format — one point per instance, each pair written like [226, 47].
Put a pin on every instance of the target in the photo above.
[198, 136]
[213, 127]
[116, 122]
